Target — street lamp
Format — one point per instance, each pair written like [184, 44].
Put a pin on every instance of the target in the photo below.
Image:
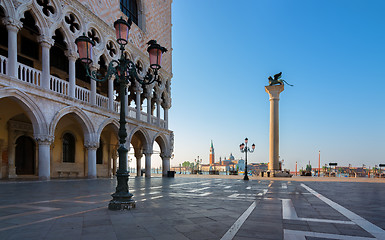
[245, 149]
[198, 161]
[125, 72]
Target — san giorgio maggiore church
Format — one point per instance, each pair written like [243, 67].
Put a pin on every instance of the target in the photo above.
[225, 165]
[55, 121]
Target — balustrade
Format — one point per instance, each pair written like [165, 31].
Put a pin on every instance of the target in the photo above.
[102, 101]
[82, 94]
[58, 85]
[3, 65]
[28, 74]
[33, 76]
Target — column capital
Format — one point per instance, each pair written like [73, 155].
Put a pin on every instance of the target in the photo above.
[166, 104]
[147, 152]
[165, 155]
[274, 91]
[71, 55]
[138, 87]
[91, 145]
[44, 139]
[12, 24]
[46, 42]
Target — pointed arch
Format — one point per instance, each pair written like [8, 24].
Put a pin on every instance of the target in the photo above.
[9, 8]
[40, 20]
[143, 132]
[83, 119]
[162, 142]
[29, 105]
[106, 122]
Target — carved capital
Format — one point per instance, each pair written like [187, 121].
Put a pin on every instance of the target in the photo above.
[71, 55]
[165, 155]
[46, 41]
[12, 24]
[91, 145]
[44, 139]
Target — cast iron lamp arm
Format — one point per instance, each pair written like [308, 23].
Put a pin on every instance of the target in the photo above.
[133, 74]
[94, 75]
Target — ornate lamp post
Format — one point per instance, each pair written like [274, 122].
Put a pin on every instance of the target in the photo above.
[125, 73]
[197, 162]
[245, 149]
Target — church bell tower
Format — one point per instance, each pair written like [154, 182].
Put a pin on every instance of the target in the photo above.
[212, 154]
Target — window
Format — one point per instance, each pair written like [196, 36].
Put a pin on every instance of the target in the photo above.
[68, 148]
[130, 9]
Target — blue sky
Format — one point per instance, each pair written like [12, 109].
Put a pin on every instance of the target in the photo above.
[331, 51]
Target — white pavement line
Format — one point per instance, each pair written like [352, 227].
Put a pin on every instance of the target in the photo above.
[265, 191]
[199, 189]
[377, 232]
[248, 188]
[230, 234]
[301, 235]
[288, 212]
[204, 184]
[284, 185]
[227, 187]
[233, 195]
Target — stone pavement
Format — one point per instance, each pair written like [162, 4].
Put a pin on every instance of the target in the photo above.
[193, 208]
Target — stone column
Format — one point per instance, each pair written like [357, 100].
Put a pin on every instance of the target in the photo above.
[165, 164]
[46, 44]
[148, 154]
[148, 94]
[111, 93]
[138, 157]
[91, 149]
[138, 91]
[274, 92]
[166, 106]
[11, 154]
[158, 106]
[44, 143]
[93, 89]
[13, 26]
[72, 73]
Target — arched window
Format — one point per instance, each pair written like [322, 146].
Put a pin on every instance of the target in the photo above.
[130, 9]
[99, 153]
[68, 148]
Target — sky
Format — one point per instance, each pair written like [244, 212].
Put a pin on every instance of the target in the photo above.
[331, 51]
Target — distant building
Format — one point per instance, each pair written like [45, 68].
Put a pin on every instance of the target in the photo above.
[212, 154]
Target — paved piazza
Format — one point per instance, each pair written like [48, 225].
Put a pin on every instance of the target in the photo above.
[193, 208]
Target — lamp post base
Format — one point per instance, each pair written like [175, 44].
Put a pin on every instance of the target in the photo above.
[246, 177]
[121, 202]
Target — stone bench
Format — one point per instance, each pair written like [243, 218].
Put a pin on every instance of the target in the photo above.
[64, 173]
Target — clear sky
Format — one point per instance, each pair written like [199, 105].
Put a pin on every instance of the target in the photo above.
[331, 51]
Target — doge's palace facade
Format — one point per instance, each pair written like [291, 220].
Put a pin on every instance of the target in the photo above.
[55, 121]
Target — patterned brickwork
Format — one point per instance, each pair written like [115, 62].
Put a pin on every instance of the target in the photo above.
[155, 23]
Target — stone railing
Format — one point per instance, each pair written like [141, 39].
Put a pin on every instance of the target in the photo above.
[82, 94]
[3, 65]
[28, 74]
[58, 85]
[102, 101]
[33, 76]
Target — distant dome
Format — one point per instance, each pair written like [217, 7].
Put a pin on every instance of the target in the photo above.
[231, 157]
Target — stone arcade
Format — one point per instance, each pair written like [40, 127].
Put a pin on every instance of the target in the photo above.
[54, 122]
